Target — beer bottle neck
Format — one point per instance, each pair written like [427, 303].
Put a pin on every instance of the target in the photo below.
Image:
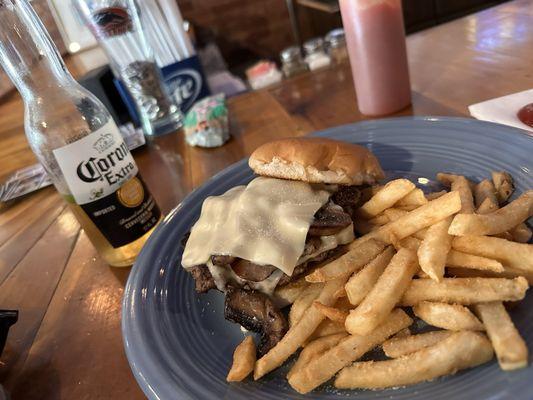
[27, 53]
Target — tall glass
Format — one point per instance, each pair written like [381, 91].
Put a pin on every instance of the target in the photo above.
[375, 38]
[76, 140]
[116, 25]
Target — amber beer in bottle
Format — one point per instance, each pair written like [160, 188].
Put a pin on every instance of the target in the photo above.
[76, 140]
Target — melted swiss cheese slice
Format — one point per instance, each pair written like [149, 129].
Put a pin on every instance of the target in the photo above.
[265, 222]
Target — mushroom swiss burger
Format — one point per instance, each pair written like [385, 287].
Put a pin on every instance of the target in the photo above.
[297, 213]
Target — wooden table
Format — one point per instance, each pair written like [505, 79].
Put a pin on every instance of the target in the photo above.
[67, 343]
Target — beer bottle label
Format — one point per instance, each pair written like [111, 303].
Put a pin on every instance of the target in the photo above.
[104, 180]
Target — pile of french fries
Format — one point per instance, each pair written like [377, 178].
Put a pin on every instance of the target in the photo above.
[452, 257]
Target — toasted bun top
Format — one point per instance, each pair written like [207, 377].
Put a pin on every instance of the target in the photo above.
[316, 160]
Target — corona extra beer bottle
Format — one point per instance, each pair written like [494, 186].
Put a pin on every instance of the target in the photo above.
[76, 140]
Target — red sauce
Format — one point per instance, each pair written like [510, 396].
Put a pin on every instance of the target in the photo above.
[526, 114]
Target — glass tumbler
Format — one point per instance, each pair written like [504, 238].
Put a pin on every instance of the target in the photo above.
[117, 27]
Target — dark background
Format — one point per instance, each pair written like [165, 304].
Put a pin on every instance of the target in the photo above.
[246, 30]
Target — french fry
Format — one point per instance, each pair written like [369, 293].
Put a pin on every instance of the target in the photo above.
[300, 332]
[435, 195]
[421, 274]
[460, 272]
[461, 185]
[379, 220]
[403, 333]
[485, 197]
[327, 328]
[394, 213]
[304, 301]
[465, 290]
[499, 221]
[421, 234]
[385, 198]
[503, 182]
[408, 208]
[414, 198]
[323, 368]
[363, 281]
[446, 179]
[382, 298]
[410, 243]
[331, 340]
[414, 221]
[350, 262]
[424, 216]
[243, 360]
[509, 346]
[515, 255]
[521, 233]
[505, 235]
[314, 349]
[485, 190]
[340, 293]
[486, 207]
[287, 294]
[399, 346]
[434, 249]
[332, 313]
[510, 272]
[452, 317]
[459, 351]
[507, 272]
[343, 303]
[459, 259]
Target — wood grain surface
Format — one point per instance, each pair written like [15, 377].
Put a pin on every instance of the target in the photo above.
[67, 343]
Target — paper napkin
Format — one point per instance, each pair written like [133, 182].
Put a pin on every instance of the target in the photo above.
[503, 109]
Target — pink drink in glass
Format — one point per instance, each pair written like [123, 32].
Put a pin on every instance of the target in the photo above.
[375, 39]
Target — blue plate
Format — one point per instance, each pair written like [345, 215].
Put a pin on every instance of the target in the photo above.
[178, 343]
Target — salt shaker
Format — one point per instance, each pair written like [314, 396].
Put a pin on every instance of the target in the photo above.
[315, 55]
[292, 62]
[336, 45]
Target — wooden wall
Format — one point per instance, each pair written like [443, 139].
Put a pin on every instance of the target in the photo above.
[262, 26]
